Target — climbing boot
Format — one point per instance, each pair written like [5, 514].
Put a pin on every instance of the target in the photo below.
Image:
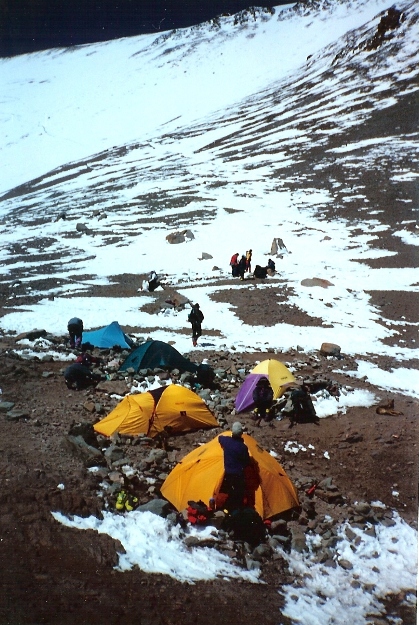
[120, 500]
[131, 503]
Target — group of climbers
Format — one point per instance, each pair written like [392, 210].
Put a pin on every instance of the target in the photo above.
[242, 265]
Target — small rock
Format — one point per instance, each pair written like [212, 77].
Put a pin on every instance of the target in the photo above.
[16, 415]
[5, 406]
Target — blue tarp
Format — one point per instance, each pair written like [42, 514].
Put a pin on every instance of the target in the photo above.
[109, 336]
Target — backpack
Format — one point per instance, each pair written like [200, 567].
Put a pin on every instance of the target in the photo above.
[198, 512]
[247, 525]
[304, 411]
[260, 272]
[262, 394]
[195, 315]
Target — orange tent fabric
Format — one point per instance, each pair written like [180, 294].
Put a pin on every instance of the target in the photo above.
[149, 413]
[200, 474]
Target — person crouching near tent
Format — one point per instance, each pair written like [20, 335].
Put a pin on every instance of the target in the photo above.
[78, 376]
[75, 331]
[262, 396]
[236, 459]
[196, 318]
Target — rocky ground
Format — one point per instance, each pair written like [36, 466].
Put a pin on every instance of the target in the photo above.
[52, 574]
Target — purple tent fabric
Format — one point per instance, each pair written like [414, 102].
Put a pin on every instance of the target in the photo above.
[244, 399]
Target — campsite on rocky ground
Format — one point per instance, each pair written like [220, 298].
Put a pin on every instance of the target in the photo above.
[306, 155]
[55, 574]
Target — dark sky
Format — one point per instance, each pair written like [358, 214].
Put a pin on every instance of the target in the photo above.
[30, 25]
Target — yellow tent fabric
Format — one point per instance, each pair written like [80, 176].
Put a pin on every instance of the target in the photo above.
[149, 413]
[200, 474]
[280, 378]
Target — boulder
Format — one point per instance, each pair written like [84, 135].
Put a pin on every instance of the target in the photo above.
[5, 406]
[330, 349]
[114, 453]
[277, 247]
[78, 446]
[157, 456]
[156, 506]
[16, 415]
[117, 387]
[316, 282]
[32, 335]
[179, 237]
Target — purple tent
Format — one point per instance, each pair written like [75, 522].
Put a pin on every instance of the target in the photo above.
[244, 400]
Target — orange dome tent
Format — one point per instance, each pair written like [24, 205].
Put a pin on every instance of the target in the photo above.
[200, 474]
[149, 413]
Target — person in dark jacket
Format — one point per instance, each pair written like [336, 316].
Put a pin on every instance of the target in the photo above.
[196, 317]
[236, 459]
[242, 267]
[75, 330]
[262, 396]
[78, 377]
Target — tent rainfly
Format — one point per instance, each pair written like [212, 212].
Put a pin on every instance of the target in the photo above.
[153, 354]
[109, 336]
[280, 378]
[200, 474]
[174, 407]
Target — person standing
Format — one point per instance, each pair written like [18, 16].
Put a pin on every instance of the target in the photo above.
[75, 330]
[242, 267]
[249, 261]
[236, 459]
[196, 318]
[234, 264]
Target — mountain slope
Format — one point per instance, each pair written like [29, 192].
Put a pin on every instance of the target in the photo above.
[65, 104]
[315, 158]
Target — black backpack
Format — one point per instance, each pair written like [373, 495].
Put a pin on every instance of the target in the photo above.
[262, 394]
[247, 525]
[195, 316]
[304, 411]
[260, 272]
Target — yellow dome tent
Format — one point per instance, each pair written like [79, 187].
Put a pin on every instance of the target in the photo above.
[149, 413]
[280, 378]
[200, 474]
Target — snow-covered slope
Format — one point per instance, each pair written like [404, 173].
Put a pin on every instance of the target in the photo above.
[318, 151]
[66, 104]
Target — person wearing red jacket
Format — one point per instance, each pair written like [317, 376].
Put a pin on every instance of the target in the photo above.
[234, 264]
